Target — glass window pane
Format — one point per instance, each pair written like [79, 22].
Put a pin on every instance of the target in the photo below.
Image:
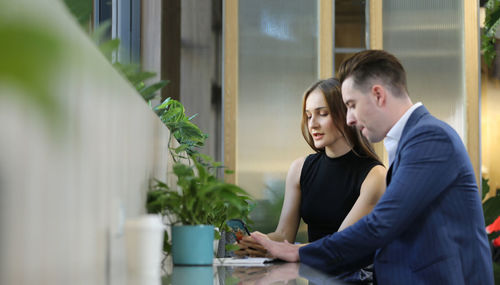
[277, 62]
[427, 36]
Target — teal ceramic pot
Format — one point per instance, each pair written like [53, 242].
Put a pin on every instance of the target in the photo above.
[193, 245]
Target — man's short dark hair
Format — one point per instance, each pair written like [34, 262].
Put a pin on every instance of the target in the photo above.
[368, 65]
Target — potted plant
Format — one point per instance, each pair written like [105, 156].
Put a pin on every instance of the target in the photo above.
[199, 201]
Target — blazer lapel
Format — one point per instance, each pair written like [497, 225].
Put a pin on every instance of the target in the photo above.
[412, 121]
[415, 116]
[388, 176]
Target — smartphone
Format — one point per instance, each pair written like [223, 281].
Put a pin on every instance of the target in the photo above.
[238, 228]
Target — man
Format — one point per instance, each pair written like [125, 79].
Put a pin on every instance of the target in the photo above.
[428, 227]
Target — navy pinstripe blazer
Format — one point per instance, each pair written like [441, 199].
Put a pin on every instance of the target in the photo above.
[428, 227]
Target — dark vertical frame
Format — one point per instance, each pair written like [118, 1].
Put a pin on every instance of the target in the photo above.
[135, 31]
[102, 13]
[171, 48]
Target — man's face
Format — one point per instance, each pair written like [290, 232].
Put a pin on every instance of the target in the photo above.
[363, 112]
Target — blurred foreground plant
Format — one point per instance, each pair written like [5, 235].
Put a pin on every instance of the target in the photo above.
[29, 53]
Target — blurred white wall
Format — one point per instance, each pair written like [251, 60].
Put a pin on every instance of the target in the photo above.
[66, 189]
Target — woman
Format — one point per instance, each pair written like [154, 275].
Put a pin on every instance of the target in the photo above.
[336, 186]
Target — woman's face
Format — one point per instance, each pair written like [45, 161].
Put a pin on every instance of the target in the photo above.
[320, 122]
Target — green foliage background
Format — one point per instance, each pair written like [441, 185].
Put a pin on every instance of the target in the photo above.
[491, 24]
[491, 210]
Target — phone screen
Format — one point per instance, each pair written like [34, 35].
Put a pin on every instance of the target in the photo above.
[238, 228]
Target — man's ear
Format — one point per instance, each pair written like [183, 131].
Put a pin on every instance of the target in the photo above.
[379, 94]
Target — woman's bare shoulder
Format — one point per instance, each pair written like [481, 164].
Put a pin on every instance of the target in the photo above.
[297, 164]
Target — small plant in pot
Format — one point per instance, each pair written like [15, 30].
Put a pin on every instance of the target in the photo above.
[199, 201]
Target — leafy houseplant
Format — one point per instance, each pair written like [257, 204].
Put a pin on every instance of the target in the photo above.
[199, 197]
[491, 24]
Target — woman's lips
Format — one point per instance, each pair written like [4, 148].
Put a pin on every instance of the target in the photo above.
[317, 136]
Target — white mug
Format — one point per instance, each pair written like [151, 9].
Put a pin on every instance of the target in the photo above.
[144, 245]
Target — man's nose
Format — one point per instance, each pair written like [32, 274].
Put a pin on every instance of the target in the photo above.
[350, 119]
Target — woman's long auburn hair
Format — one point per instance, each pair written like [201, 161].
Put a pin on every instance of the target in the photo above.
[330, 88]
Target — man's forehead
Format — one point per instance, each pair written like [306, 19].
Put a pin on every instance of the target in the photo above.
[347, 90]
[347, 84]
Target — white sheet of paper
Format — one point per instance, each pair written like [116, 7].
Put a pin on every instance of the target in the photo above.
[246, 261]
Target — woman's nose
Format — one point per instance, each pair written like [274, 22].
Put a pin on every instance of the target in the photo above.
[313, 122]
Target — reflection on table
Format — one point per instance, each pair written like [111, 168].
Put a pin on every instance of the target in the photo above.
[274, 273]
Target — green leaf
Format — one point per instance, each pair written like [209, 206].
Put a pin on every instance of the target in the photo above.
[181, 148]
[81, 10]
[231, 280]
[485, 187]
[182, 170]
[167, 246]
[491, 209]
[232, 247]
[496, 272]
[165, 104]
[174, 113]
[99, 32]
[148, 92]
[107, 48]
[141, 76]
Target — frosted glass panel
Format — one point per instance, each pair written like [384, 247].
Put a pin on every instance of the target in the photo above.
[427, 36]
[277, 62]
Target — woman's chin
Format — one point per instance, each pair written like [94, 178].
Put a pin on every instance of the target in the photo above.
[319, 145]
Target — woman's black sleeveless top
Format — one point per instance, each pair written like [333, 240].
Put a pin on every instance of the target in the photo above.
[329, 189]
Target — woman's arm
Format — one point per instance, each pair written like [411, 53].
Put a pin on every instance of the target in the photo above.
[372, 189]
[290, 215]
[290, 212]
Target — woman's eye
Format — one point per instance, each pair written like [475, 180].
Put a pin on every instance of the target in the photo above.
[324, 114]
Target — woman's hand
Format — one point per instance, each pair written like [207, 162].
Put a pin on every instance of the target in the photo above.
[249, 247]
[282, 250]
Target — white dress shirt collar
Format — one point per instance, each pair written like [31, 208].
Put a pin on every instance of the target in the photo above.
[392, 138]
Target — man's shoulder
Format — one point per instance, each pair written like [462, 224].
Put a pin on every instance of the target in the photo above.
[429, 132]
[427, 123]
